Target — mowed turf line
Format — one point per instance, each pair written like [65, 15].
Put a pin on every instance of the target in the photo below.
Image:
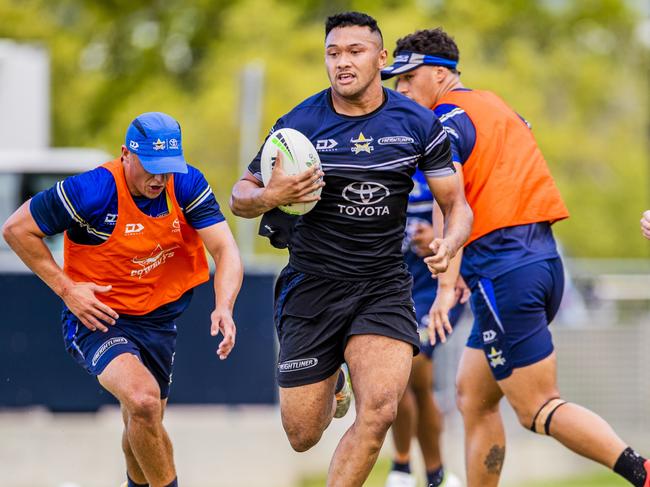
[378, 477]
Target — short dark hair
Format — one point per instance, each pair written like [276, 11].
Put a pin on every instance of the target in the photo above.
[434, 42]
[347, 19]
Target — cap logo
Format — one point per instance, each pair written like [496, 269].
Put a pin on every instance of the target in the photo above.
[159, 145]
[133, 145]
[173, 144]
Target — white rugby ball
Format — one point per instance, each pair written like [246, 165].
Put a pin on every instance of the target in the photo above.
[298, 155]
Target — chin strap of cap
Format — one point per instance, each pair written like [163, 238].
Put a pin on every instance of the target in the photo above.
[542, 421]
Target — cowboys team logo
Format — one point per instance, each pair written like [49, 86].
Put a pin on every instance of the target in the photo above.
[159, 145]
[496, 358]
[362, 144]
[157, 257]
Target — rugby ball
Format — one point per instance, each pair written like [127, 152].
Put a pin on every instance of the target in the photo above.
[298, 155]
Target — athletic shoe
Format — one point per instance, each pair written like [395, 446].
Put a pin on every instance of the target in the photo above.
[451, 480]
[125, 484]
[400, 479]
[344, 396]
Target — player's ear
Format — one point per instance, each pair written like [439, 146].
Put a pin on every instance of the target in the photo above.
[383, 55]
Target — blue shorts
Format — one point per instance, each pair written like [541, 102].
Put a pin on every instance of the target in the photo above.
[153, 343]
[512, 313]
[422, 315]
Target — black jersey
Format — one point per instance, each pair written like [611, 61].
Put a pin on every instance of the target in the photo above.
[356, 229]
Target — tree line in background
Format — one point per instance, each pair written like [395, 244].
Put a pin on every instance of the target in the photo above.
[577, 71]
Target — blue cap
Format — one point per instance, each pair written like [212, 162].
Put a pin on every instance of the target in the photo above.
[155, 138]
[406, 61]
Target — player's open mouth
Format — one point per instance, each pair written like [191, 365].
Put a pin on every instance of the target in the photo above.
[345, 77]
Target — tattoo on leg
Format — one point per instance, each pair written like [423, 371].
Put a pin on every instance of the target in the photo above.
[494, 460]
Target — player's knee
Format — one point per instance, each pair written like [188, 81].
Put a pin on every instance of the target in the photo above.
[538, 418]
[144, 407]
[471, 404]
[302, 440]
[376, 417]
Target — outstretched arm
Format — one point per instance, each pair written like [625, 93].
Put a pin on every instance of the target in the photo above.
[228, 276]
[26, 239]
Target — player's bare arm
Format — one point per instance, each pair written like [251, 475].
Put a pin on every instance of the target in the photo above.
[250, 198]
[228, 276]
[26, 239]
[449, 194]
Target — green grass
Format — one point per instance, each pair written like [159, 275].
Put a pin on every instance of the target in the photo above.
[378, 476]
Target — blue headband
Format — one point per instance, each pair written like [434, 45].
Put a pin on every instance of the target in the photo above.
[406, 61]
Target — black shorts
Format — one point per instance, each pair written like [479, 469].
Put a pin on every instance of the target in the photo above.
[315, 316]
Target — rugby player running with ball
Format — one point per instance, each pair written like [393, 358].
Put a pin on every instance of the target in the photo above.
[345, 295]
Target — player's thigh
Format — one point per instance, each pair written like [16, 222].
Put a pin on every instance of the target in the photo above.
[307, 407]
[476, 389]
[379, 370]
[129, 381]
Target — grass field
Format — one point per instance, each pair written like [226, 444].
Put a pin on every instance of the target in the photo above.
[378, 476]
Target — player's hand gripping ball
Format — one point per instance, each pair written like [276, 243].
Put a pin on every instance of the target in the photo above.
[298, 155]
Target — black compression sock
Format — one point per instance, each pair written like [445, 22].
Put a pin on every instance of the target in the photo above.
[401, 467]
[435, 477]
[630, 466]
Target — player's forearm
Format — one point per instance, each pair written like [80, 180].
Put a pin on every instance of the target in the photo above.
[458, 219]
[34, 253]
[447, 279]
[228, 277]
[249, 201]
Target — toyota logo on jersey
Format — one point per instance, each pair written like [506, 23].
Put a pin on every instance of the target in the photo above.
[365, 196]
[365, 193]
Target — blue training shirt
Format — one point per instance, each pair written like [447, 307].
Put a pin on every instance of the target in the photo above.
[356, 229]
[504, 249]
[85, 206]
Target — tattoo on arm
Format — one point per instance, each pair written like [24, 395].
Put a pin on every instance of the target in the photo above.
[494, 460]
